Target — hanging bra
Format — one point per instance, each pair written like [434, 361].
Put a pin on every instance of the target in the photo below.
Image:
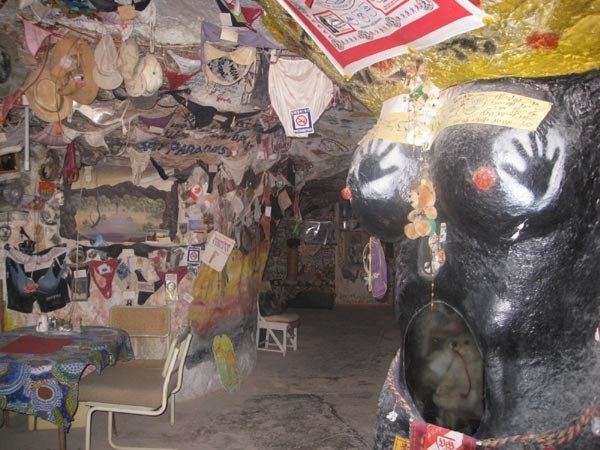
[48, 283]
[242, 56]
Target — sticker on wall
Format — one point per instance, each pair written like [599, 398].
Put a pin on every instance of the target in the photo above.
[302, 122]
[193, 256]
[217, 251]
[171, 287]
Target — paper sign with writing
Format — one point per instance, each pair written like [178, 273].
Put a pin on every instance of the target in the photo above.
[495, 108]
[217, 251]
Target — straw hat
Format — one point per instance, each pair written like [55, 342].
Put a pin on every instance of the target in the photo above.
[72, 64]
[44, 97]
[106, 73]
[12, 70]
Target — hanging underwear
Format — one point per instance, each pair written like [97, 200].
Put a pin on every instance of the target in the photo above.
[296, 84]
[103, 273]
[139, 161]
[181, 273]
[187, 66]
[236, 167]
[204, 115]
[146, 288]
[70, 170]
[176, 80]
[49, 137]
[159, 122]
[93, 138]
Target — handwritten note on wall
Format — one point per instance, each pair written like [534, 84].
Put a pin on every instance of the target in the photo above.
[495, 108]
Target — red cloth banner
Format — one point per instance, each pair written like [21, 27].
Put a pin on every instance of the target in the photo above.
[357, 33]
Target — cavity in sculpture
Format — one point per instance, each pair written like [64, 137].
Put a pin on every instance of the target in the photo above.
[521, 209]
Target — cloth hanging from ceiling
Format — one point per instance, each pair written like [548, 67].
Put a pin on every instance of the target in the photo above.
[247, 38]
[299, 93]
[182, 146]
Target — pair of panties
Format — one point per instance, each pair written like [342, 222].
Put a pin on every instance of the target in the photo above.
[103, 272]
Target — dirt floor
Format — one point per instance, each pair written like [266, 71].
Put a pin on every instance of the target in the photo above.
[323, 396]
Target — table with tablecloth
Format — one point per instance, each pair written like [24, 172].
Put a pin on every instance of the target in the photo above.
[40, 372]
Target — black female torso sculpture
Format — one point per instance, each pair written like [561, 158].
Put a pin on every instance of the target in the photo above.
[522, 212]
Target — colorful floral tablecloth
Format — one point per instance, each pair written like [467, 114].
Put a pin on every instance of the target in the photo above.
[39, 372]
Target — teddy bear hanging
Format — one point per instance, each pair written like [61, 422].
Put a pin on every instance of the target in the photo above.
[422, 217]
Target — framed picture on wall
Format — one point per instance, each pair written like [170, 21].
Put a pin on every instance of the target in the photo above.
[80, 287]
[106, 203]
[9, 163]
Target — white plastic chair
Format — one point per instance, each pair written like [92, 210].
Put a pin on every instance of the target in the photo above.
[135, 390]
[281, 332]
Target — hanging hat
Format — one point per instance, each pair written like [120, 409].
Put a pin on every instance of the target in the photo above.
[135, 86]
[72, 62]
[152, 73]
[147, 80]
[44, 97]
[106, 72]
[129, 55]
[144, 101]
[12, 71]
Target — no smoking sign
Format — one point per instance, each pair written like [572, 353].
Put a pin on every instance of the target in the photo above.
[302, 121]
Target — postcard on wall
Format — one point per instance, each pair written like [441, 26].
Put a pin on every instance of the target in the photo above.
[217, 251]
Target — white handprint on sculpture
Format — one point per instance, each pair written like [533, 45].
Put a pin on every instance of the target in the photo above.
[530, 166]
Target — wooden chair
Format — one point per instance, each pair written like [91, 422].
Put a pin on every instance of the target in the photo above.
[144, 324]
[280, 332]
[135, 390]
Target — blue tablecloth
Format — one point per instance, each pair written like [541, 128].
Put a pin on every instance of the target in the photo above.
[47, 384]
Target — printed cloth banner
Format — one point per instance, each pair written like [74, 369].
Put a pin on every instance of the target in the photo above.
[424, 436]
[357, 33]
